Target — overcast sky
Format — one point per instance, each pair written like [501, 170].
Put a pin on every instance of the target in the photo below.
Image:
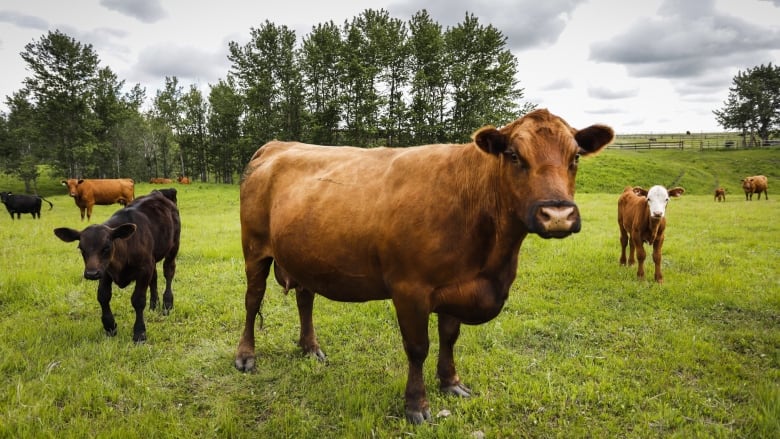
[641, 66]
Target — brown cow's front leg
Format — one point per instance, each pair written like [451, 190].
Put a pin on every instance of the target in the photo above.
[641, 255]
[659, 277]
[449, 382]
[308, 339]
[104, 299]
[414, 332]
[256, 273]
[138, 301]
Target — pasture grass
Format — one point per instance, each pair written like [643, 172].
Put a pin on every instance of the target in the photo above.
[582, 348]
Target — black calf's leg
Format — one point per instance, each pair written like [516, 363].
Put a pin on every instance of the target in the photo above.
[104, 299]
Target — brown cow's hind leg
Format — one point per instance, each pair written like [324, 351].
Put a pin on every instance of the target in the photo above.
[308, 339]
[257, 270]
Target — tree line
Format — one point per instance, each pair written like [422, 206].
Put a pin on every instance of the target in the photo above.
[372, 81]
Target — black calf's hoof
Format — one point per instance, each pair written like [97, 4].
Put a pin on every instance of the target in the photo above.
[140, 337]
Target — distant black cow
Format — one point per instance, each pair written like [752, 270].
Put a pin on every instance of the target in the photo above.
[169, 193]
[125, 249]
[19, 204]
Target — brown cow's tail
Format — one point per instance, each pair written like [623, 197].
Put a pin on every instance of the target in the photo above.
[51, 206]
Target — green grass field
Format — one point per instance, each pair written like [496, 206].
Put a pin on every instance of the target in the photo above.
[582, 348]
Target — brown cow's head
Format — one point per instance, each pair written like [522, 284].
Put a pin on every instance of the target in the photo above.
[747, 184]
[538, 157]
[72, 184]
[96, 244]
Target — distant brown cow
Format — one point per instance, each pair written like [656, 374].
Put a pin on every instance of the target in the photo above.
[755, 185]
[158, 180]
[183, 180]
[720, 194]
[435, 229]
[87, 193]
[126, 249]
[642, 219]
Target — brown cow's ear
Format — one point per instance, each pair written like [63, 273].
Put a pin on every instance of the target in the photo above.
[593, 138]
[64, 182]
[676, 192]
[640, 191]
[490, 140]
[81, 180]
[124, 231]
[66, 234]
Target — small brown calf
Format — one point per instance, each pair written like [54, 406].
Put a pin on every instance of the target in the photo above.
[642, 219]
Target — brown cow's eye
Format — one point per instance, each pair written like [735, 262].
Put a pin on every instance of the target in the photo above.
[574, 162]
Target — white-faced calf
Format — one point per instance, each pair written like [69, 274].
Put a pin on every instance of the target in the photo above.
[642, 219]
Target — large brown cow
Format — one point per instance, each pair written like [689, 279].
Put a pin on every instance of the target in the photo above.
[87, 193]
[436, 229]
[642, 218]
[755, 185]
[125, 249]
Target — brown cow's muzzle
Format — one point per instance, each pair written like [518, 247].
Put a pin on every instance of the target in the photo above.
[554, 219]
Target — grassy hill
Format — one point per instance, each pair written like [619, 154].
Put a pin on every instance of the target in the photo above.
[698, 171]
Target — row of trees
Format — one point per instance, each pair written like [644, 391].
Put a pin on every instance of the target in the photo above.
[374, 80]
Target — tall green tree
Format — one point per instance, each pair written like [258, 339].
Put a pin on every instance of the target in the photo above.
[167, 112]
[21, 145]
[224, 127]
[322, 70]
[266, 72]
[753, 104]
[428, 84]
[482, 77]
[63, 75]
[193, 136]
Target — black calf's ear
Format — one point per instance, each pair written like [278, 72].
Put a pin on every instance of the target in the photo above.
[490, 140]
[124, 231]
[66, 234]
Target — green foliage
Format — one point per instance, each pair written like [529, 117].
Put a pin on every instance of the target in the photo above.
[581, 349]
[753, 104]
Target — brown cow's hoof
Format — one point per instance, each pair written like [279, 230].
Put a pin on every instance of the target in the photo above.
[417, 417]
[457, 389]
[245, 364]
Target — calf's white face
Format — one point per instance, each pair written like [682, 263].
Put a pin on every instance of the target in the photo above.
[657, 199]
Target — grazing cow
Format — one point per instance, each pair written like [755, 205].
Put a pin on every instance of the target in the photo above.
[720, 194]
[435, 229]
[642, 218]
[19, 204]
[158, 180]
[755, 185]
[183, 180]
[125, 249]
[169, 193]
[87, 193]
